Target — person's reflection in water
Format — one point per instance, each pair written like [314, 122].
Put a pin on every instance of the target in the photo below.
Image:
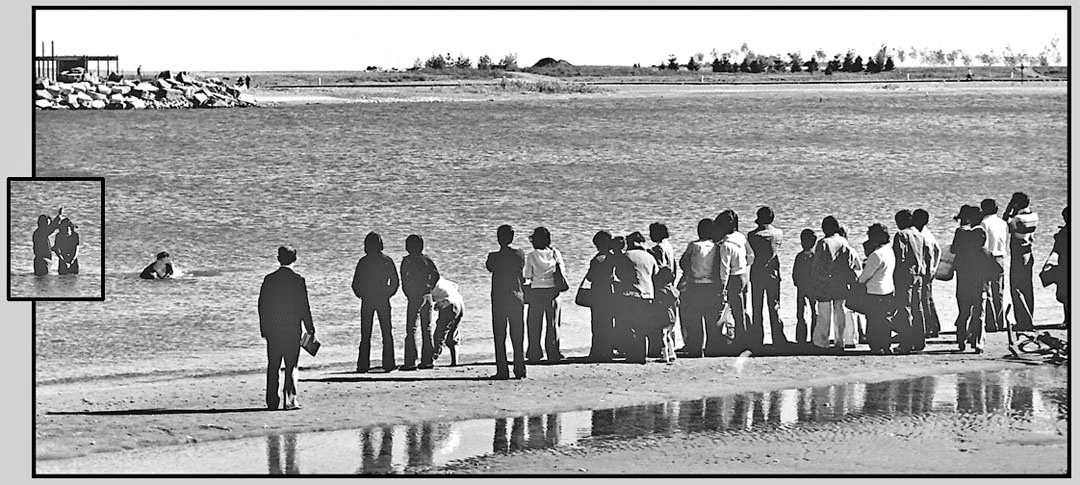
[517, 434]
[421, 449]
[382, 462]
[499, 444]
[554, 430]
[536, 432]
[603, 422]
[759, 409]
[971, 394]
[775, 401]
[691, 415]
[274, 454]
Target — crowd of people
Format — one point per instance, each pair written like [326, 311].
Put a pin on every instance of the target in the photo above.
[65, 244]
[638, 292]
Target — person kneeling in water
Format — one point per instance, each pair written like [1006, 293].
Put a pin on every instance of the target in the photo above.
[159, 269]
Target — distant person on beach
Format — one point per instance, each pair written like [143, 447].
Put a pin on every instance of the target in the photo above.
[42, 249]
[283, 309]
[833, 268]
[929, 310]
[971, 283]
[418, 278]
[634, 273]
[800, 277]
[247, 82]
[699, 300]
[374, 281]
[877, 275]
[66, 247]
[507, 267]
[138, 71]
[765, 241]
[451, 308]
[161, 268]
[997, 243]
[544, 305]
[601, 276]
[734, 259]
[666, 302]
[1061, 248]
[1022, 223]
[911, 252]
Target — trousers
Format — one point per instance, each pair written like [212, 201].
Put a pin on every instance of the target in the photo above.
[278, 349]
[368, 309]
[507, 316]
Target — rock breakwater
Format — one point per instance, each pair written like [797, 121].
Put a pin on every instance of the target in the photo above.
[166, 91]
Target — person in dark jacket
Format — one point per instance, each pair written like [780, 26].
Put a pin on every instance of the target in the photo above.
[833, 269]
[1061, 248]
[418, 277]
[601, 276]
[507, 267]
[800, 277]
[161, 268]
[283, 308]
[635, 272]
[1022, 223]
[42, 249]
[374, 282]
[971, 282]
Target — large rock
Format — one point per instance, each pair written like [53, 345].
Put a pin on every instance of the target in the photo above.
[116, 98]
[163, 84]
[246, 98]
[71, 100]
[96, 95]
[79, 87]
[185, 78]
[65, 88]
[43, 104]
[200, 98]
[44, 94]
[53, 89]
[173, 94]
[136, 103]
[145, 87]
[121, 90]
[97, 104]
[103, 89]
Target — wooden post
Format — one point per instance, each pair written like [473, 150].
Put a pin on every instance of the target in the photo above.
[52, 48]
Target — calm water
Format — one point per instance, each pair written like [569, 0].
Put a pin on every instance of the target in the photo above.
[82, 204]
[946, 407]
[221, 189]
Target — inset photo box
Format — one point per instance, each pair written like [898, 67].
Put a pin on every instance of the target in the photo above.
[56, 238]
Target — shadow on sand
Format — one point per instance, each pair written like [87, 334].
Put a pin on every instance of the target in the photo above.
[155, 412]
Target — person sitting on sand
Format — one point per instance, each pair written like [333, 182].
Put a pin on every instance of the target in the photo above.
[451, 308]
[66, 247]
[161, 268]
[42, 251]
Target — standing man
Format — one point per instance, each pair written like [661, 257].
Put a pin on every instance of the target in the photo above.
[283, 307]
[374, 282]
[418, 277]
[507, 267]
[1022, 224]
[910, 250]
[765, 242]
[698, 302]
[832, 270]
[733, 275]
[997, 237]
[635, 271]
[929, 310]
[42, 248]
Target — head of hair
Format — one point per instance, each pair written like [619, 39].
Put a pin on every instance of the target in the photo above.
[988, 206]
[373, 243]
[704, 228]
[1065, 214]
[726, 222]
[842, 231]
[505, 234]
[658, 232]
[286, 255]
[1019, 201]
[830, 226]
[618, 243]
[877, 234]
[807, 238]
[903, 219]
[765, 215]
[602, 240]
[414, 244]
[163, 254]
[635, 240]
[920, 218]
[969, 214]
[540, 238]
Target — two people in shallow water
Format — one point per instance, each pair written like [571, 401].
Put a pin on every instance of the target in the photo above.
[65, 245]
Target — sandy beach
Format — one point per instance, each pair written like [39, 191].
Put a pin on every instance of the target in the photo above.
[100, 417]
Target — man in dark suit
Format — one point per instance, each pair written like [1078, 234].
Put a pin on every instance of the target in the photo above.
[283, 306]
[507, 303]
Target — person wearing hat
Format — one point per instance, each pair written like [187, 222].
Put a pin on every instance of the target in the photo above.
[1022, 223]
[765, 241]
[159, 269]
[911, 253]
[997, 244]
[283, 309]
[507, 303]
[967, 245]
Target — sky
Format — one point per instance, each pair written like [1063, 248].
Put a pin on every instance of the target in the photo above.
[326, 40]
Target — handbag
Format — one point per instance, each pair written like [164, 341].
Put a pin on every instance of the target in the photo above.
[560, 279]
[858, 300]
[946, 268]
[527, 294]
[310, 344]
[585, 295]
[1051, 273]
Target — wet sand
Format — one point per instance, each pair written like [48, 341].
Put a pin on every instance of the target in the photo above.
[75, 419]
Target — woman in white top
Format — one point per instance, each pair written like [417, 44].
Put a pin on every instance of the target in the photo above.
[543, 297]
[877, 275]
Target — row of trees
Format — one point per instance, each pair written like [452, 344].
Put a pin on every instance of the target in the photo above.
[849, 61]
[439, 61]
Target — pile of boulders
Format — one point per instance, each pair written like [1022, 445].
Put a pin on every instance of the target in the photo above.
[86, 91]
